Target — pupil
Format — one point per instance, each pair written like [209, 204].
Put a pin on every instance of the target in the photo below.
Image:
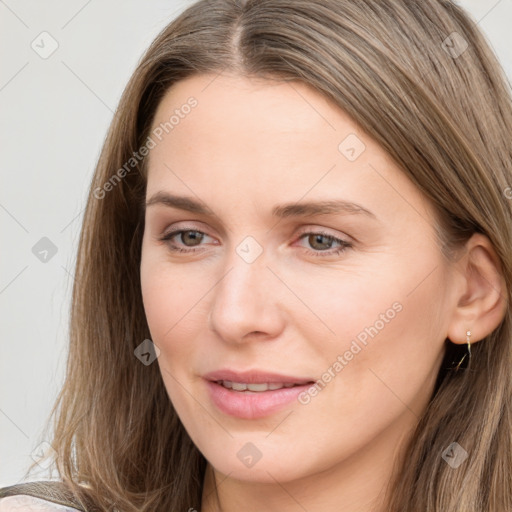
[196, 236]
[319, 238]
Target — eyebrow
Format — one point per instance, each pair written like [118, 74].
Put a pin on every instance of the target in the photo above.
[304, 209]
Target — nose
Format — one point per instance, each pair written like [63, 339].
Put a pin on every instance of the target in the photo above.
[246, 302]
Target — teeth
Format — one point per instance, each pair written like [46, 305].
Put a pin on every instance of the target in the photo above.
[243, 386]
[237, 386]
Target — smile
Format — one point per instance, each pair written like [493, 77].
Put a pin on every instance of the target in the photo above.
[265, 386]
[253, 400]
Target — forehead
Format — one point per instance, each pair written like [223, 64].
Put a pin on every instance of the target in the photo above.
[236, 96]
[267, 139]
[249, 118]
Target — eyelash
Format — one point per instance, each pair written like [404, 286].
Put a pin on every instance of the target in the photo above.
[332, 252]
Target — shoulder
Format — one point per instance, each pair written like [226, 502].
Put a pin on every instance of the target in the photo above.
[22, 502]
[41, 496]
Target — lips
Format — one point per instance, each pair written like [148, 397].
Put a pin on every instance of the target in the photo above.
[253, 394]
[256, 388]
[256, 377]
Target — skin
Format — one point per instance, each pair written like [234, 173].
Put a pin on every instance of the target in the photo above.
[246, 147]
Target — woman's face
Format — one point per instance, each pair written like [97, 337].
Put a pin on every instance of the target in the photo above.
[353, 297]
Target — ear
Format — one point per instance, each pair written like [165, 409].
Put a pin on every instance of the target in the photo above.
[481, 300]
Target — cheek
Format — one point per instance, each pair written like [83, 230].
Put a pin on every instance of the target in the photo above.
[175, 306]
[390, 361]
[166, 292]
[169, 308]
[339, 305]
[157, 299]
[386, 344]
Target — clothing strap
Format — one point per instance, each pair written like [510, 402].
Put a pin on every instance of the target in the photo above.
[56, 492]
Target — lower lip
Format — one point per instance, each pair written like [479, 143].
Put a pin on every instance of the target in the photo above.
[252, 405]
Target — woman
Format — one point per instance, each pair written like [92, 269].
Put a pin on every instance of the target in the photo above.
[293, 281]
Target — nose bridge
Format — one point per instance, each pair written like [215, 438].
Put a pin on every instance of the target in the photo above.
[243, 301]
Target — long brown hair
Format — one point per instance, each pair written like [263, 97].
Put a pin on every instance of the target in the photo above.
[443, 111]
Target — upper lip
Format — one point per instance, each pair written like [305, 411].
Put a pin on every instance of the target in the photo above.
[254, 377]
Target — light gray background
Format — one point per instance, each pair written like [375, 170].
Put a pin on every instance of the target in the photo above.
[55, 113]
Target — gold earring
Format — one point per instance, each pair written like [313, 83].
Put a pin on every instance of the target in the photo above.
[468, 337]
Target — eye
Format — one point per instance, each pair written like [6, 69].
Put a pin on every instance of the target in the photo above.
[318, 240]
[192, 236]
